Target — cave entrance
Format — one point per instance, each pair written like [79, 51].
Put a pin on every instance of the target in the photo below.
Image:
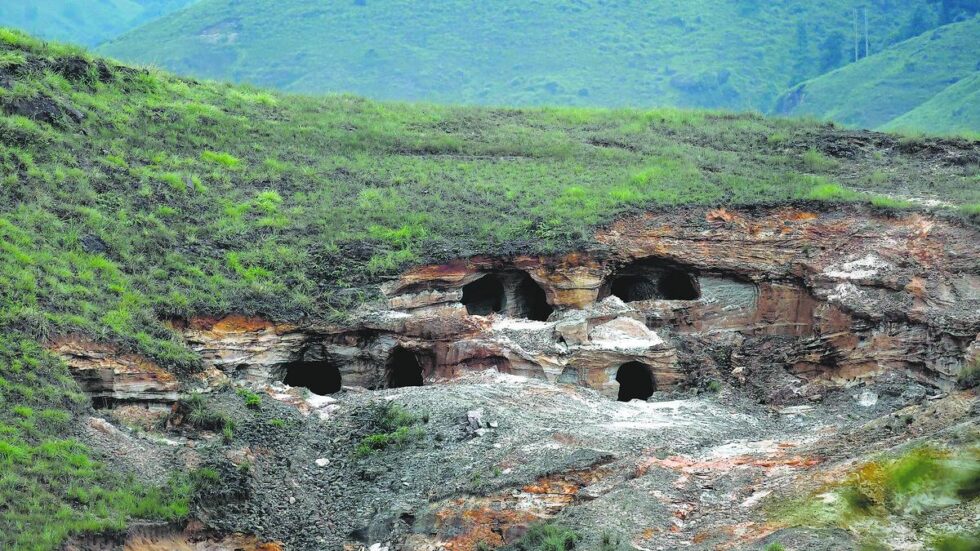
[512, 293]
[484, 296]
[532, 302]
[320, 377]
[403, 369]
[678, 285]
[635, 381]
[650, 280]
[633, 288]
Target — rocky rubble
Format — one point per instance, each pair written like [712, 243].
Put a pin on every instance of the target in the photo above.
[817, 327]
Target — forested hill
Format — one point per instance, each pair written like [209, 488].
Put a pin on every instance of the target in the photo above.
[88, 22]
[936, 70]
[707, 53]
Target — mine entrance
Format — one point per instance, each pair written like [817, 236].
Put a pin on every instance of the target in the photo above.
[532, 300]
[632, 288]
[510, 292]
[403, 369]
[651, 280]
[484, 296]
[635, 381]
[320, 378]
[677, 285]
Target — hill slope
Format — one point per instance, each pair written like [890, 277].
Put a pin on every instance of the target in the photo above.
[81, 21]
[128, 197]
[705, 53]
[954, 110]
[887, 85]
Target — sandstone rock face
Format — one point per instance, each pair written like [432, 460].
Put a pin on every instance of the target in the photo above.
[831, 297]
[110, 377]
[786, 301]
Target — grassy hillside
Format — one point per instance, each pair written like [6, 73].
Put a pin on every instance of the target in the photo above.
[883, 87]
[87, 22]
[706, 53]
[129, 196]
[955, 110]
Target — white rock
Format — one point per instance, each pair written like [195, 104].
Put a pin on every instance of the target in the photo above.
[867, 399]
[322, 462]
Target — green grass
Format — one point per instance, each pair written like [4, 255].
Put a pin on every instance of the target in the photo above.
[252, 400]
[929, 83]
[915, 482]
[391, 427]
[654, 53]
[547, 536]
[170, 198]
[51, 485]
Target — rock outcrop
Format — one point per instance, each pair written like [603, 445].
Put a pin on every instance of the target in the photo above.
[784, 301]
[111, 377]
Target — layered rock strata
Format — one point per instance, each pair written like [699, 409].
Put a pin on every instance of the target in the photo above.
[786, 301]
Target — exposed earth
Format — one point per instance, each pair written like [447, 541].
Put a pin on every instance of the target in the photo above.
[701, 379]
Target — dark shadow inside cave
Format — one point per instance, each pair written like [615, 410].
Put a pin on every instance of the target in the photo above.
[510, 292]
[320, 377]
[631, 288]
[403, 369]
[484, 296]
[678, 285]
[651, 280]
[635, 381]
[532, 300]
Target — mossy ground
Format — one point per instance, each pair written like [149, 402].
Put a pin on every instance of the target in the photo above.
[130, 196]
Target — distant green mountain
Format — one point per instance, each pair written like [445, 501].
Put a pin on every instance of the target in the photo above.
[954, 110]
[906, 85]
[87, 22]
[709, 53]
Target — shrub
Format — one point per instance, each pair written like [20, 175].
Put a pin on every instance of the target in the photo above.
[201, 416]
[548, 536]
[278, 423]
[252, 400]
[775, 546]
[392, 427]
[969, 376]
[957, 542]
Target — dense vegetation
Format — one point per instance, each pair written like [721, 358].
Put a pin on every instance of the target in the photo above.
[705, 53]
[129, 196]
[83, 21]
[936, 71]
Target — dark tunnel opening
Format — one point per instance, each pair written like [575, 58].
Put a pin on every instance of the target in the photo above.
[403, 369]
[678, 285]
[320, 377]
[632, 288]
[651, 280]
[533, 302]
[511, 292]
[635, 381]
[484, 296]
